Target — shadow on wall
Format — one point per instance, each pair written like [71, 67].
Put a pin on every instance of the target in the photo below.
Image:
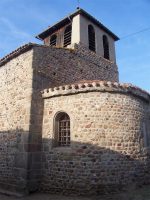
[14, 160]
[84, 169]
[80, 169]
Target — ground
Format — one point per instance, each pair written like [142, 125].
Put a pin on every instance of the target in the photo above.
[139, 194]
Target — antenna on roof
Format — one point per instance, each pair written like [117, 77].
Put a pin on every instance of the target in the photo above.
[78, 3]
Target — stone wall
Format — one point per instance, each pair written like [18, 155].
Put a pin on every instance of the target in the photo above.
[53, 67]
[58, 66]
[107, 149]
[24, 73]
[109, 122]
[15, 106]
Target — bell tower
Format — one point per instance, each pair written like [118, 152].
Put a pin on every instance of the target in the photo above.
[81, 28]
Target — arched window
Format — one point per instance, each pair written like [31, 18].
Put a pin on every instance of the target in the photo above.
[146, 133]
[106, 47]
[91, 36]
[67, 35]
[62, 129]
[53, 40]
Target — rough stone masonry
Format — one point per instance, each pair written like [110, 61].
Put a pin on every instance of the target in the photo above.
[109, 123]
[108, 149]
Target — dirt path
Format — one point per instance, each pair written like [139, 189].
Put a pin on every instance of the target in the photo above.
[140, 194]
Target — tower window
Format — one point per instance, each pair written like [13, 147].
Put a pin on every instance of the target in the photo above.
[67, 35]
[106, 47]
[91, 36]
[62, 129]
[53, 40]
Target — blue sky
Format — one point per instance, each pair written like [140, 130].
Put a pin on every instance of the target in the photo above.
[21, 20]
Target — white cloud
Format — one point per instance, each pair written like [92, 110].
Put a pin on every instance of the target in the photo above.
[13, 30]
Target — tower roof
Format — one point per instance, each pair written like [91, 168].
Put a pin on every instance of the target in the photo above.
[67, 19]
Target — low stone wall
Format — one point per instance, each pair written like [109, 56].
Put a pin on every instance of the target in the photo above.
[108, 150]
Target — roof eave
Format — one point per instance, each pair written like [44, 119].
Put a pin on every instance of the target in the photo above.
[43, 34]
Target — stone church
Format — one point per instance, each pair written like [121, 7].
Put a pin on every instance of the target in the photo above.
[66, 123]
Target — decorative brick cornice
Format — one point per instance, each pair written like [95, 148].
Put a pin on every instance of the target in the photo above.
[96, 85]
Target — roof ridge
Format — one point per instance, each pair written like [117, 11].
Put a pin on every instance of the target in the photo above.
[14, 53]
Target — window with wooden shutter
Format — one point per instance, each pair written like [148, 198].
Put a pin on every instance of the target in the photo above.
[91, 37]
[106, 47]
[67, 35]
[53, 40]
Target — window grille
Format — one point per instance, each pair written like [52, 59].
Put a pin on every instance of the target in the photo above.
[91, 35]
[63, 129]
[67, 36]
[145, 133]
[53, 40]
[106, 47]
